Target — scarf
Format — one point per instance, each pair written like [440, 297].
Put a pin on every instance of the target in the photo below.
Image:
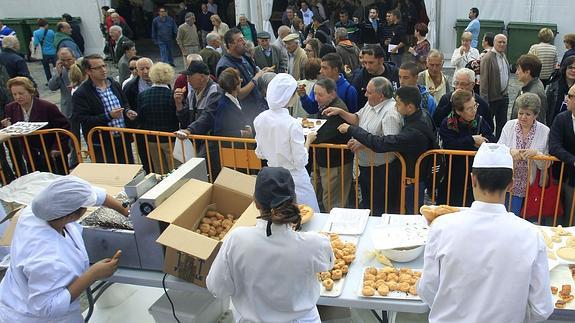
[454, 121]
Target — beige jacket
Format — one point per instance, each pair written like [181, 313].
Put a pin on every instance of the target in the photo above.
[490, 87]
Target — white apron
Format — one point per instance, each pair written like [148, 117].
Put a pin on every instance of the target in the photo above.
[311, 317]
[9, 315]
[304, 189]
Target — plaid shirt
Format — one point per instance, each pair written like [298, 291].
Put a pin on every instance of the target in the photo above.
[110, 102]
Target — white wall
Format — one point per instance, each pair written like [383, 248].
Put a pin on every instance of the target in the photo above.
[88, 10]
[543, 11]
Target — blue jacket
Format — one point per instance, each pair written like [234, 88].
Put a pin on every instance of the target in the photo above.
[430, 105]
[229, 120]
[163, 31]
[48, 45]
[345, 91]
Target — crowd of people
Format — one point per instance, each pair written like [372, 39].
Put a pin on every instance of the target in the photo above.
[372, 75]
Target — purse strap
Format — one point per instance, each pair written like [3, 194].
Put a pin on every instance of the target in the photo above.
[44, 37]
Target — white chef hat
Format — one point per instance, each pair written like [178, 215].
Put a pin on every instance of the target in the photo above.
[64, 196]
[491, 155]
[280, 90]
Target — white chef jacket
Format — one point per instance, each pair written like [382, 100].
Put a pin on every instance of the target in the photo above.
[270, 279]
[280, 141]
[43, 263]
[485, 265]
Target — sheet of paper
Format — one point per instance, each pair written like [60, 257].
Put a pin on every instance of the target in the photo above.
[390, 47]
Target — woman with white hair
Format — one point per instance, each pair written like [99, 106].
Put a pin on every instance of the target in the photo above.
[49, 267]
[465, 53]
[280, 138]
[526, 137]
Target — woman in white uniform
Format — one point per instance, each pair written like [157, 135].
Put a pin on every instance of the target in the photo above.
[280, 138]
[270, 270]
[49, 265]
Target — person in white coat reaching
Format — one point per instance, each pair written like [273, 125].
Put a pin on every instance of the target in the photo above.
[280, 138]
[49, 266]
[485, 264]
[269, 270]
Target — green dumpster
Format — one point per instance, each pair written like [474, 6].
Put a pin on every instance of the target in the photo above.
[22, 30]
[52, 22]
[521, 35]
[494, 26]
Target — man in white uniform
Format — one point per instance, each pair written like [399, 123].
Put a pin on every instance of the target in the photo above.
[270, 270]
[49, 266]
[280, 138]
[486, 264]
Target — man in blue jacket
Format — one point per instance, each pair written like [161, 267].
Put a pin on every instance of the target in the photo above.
[164, 30]
[331, 67]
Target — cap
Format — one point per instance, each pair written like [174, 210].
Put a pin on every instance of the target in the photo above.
[197, 67]
[290, 37]
[491, 155]
[64, 196]
[264, 35]
[111, 10]
[190, 14]
[274, 186]
[280, 90]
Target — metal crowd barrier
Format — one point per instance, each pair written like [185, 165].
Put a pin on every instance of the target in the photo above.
[20, 155]
[441, 157]
[236, 153]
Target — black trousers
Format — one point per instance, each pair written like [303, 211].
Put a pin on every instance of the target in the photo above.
[499, 110]
[380, 178]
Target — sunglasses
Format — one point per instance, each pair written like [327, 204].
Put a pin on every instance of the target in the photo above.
[132, 68]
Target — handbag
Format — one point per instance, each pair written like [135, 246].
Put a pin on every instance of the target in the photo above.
[36, 51]
[533, 201]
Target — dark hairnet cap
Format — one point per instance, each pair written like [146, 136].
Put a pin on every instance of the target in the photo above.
[274, 186]
[197, 67]
[263, 35]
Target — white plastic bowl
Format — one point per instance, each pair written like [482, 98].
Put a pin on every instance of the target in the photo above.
[403, 254]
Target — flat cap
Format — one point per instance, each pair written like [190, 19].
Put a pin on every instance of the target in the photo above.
[290, 37]
[264, 35]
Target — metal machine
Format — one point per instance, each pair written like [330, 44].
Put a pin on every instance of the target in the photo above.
[139, 247]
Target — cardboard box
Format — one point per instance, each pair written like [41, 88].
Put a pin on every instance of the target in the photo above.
[111, 177]
[189, 255]
[11, 219]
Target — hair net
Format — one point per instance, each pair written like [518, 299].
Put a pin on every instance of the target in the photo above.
[280, 90]
[64, 196]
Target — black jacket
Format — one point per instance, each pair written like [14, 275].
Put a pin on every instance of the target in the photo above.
[562, 144]
[416, 137]
[131, 91]
[89, 110]
[369, 35]
[14, 63]
[362, 77]
[329, 134]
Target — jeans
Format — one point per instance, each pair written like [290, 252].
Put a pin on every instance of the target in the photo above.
[516, 204]
[46, 60]
[166, 52]
[410, 197]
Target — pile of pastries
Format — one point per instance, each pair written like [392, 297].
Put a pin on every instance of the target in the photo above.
[344, 255]
[564, 295]
[309, 124]
[215, 225]
[431, 212]
[388, 279]
[565, 251]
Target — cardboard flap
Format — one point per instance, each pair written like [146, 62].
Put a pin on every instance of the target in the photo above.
[12, 219]
[188, 241]
[111, 177]
[179, 202]
[231, 179]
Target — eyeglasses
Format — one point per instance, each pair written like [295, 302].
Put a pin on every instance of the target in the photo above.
[132, 68]
[103, 66]
[571, 67]
[456, 83]
[308, 50]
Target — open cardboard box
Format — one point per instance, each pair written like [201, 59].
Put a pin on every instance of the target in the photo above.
[111, 177]
[11, 219]
[189, 255]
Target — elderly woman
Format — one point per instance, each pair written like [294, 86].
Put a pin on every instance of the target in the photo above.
[569, 42]
[312, 48]
[463, 129]
[557, 90]
[26, 107]
[280, 258]
[280, 138]
[526, 137]
[157, 111]
[528, 72]
[220, 27]
[230, 120]
[465, 53]
[422, 46]
[546, 52]
[49, 267]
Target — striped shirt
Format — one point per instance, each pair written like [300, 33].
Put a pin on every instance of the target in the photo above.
[381, 120]
[110, 102]
[547, 54]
